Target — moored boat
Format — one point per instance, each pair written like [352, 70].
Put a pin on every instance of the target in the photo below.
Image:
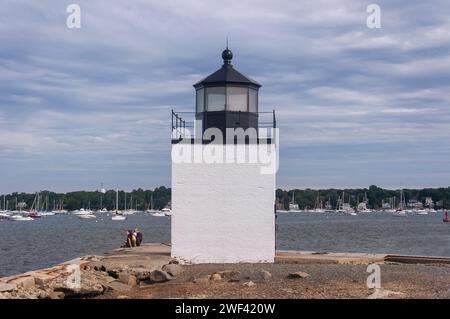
[19, 218]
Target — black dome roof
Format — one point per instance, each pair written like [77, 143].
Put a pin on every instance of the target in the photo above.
[227, 74]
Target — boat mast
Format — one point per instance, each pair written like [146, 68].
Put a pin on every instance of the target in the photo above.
[117, 200]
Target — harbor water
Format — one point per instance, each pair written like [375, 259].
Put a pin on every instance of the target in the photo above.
[50, 240]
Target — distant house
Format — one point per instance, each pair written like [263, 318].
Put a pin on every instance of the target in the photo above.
[429, 202]
[415, 204]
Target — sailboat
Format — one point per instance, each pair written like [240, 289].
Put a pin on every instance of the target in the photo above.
[117, 215]
[400, 212]
[346, 208]
[293, 206]
[318, 206]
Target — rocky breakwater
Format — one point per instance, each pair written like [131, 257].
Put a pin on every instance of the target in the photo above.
[115, 273]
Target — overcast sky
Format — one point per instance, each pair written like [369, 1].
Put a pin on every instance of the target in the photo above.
[355, 106]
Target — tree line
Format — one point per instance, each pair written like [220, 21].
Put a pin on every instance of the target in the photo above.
[161, 196]
[137, 199]
[374, 195]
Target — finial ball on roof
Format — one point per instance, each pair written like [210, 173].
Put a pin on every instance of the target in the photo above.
[227, 56]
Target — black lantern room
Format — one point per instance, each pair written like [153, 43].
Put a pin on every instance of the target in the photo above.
[227, 99]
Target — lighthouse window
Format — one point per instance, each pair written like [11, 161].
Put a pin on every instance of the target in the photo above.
[253, 100]
[215, 99]
[200, 100]
[237, 99]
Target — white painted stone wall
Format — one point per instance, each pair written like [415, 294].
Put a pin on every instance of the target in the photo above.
[223, 212]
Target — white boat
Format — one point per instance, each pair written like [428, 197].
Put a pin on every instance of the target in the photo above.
[165, 211]
[282, 211]
[82, 211]
[129, 212]
[19, 218]
[400, 213]
[160, 214]
[87, 216]
[118, 217]
[5, 216]
[102, 211]
[47, 213]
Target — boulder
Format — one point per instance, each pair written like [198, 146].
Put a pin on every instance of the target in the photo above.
[230, 275]
[249, 284]
[173, 269]
[141, 274]
[7, 287]
[215, 277]
[42, 278]
[89, 286]
[56, 295]
[174, 262]
[263, 275]
[118, 286]
[202, 280]
[128, 279]
[298, 274]
[98, 266]
[159, 276]
[24, 282]
[5, 295]
[114, 272]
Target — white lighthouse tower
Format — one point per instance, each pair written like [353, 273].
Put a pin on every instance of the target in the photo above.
[223, 173]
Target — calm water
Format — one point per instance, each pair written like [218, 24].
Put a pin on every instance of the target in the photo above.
[50, 240]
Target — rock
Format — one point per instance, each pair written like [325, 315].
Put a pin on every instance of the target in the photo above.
[249, 284]
[128, 279]
[118, 286]
[113, 272]
[202, 280]
[7, 287]
[5, 295]
[215, 277]
[174, 262]
[141, 274]
[98, 266]
[42, 279]
[159, 276]
[123, 297]
[56, 295]
[263, 275]
[24, 282]
[380, 293]
[298, 274]
[230, 275]
[173, 269]
[89, 286]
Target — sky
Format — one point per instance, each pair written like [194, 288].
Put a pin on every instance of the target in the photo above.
[355, 106]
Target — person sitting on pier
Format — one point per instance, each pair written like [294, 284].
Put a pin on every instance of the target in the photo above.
[138, 235]
[130, 241]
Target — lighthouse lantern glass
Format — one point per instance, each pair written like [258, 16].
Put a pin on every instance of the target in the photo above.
[215, 99]
[237, 99]
[253, 100]
[200, 100]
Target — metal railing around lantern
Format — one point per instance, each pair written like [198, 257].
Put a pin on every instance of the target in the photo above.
[183, 129]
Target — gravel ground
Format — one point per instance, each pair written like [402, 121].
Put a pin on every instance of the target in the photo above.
[325, 281]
